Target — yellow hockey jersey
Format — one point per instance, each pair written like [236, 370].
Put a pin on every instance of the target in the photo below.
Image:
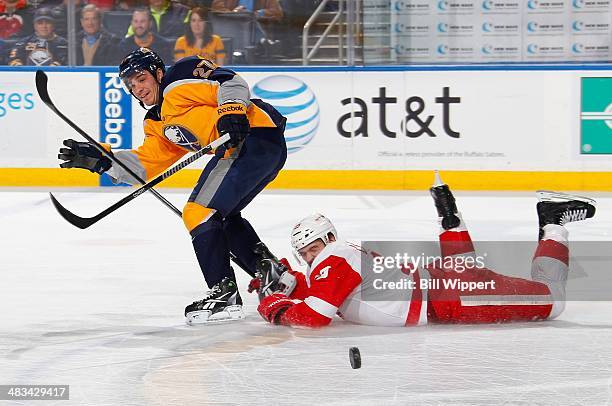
[185, 118]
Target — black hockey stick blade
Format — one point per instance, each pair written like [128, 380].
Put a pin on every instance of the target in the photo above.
[84, 222]
[70, 217]
[43, 93]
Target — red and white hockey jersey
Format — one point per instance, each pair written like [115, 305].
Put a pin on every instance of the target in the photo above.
[341, 281]
[335, 284]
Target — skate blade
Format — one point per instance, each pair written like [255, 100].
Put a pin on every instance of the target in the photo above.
[230, 313]
[550, 196]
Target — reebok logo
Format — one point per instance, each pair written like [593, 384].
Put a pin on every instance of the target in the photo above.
[231, 108]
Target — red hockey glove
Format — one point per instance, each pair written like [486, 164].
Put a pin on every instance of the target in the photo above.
[273, 307]
[255, 283]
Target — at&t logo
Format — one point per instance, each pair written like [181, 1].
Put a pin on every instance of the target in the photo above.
[294, 100]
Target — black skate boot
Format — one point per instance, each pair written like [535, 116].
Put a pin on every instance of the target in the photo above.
[269, 269]
[562, 208]
[222, 303]
[445, 203]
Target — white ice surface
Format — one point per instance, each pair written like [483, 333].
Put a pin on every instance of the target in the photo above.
[102, 310]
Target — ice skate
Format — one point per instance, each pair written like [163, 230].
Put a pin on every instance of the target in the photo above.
[561, 208]
[269, 270]
[445, 203]
[222, 303]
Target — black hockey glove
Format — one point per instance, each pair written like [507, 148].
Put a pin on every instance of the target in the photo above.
[83, 155]
[233, 120]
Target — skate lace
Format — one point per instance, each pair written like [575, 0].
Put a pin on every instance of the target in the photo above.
[573, 215]
[216, 289]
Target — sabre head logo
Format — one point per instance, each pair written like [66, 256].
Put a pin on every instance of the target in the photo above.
[487, 27]
[443, 5]
[181, 136]
[487, 5]
[578, 3]
[487, 49]
[532, 4]
[294, 100]
[442, 27]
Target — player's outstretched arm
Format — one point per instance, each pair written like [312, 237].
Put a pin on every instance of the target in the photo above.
[83, 155]
[331, 282]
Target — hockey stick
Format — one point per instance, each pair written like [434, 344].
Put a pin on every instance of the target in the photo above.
[43, 93]
[84, 222]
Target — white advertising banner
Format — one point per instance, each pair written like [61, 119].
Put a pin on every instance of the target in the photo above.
[31, 133]
[402, 120]
[360, 119]
[468, 31]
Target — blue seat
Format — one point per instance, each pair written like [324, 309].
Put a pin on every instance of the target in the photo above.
[240, 27]
[117, 22]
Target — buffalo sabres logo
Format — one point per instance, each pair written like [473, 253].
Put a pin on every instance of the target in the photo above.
[182, 137]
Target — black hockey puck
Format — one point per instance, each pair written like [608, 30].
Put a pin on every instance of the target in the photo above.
[355, 357]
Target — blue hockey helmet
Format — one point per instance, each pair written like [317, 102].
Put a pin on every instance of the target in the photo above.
[142, 59]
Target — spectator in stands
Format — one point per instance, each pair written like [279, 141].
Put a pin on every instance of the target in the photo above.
[170, 18]
[145, 37]
[199, 40]
[15, 19]
[60, 14]
[95, 45]
[44, 47]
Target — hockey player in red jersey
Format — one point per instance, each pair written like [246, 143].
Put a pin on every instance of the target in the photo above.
[337, 280]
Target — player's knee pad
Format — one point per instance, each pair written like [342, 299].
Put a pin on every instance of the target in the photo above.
[195, 214]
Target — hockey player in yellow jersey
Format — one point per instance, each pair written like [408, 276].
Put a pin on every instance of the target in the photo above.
[189, 106]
